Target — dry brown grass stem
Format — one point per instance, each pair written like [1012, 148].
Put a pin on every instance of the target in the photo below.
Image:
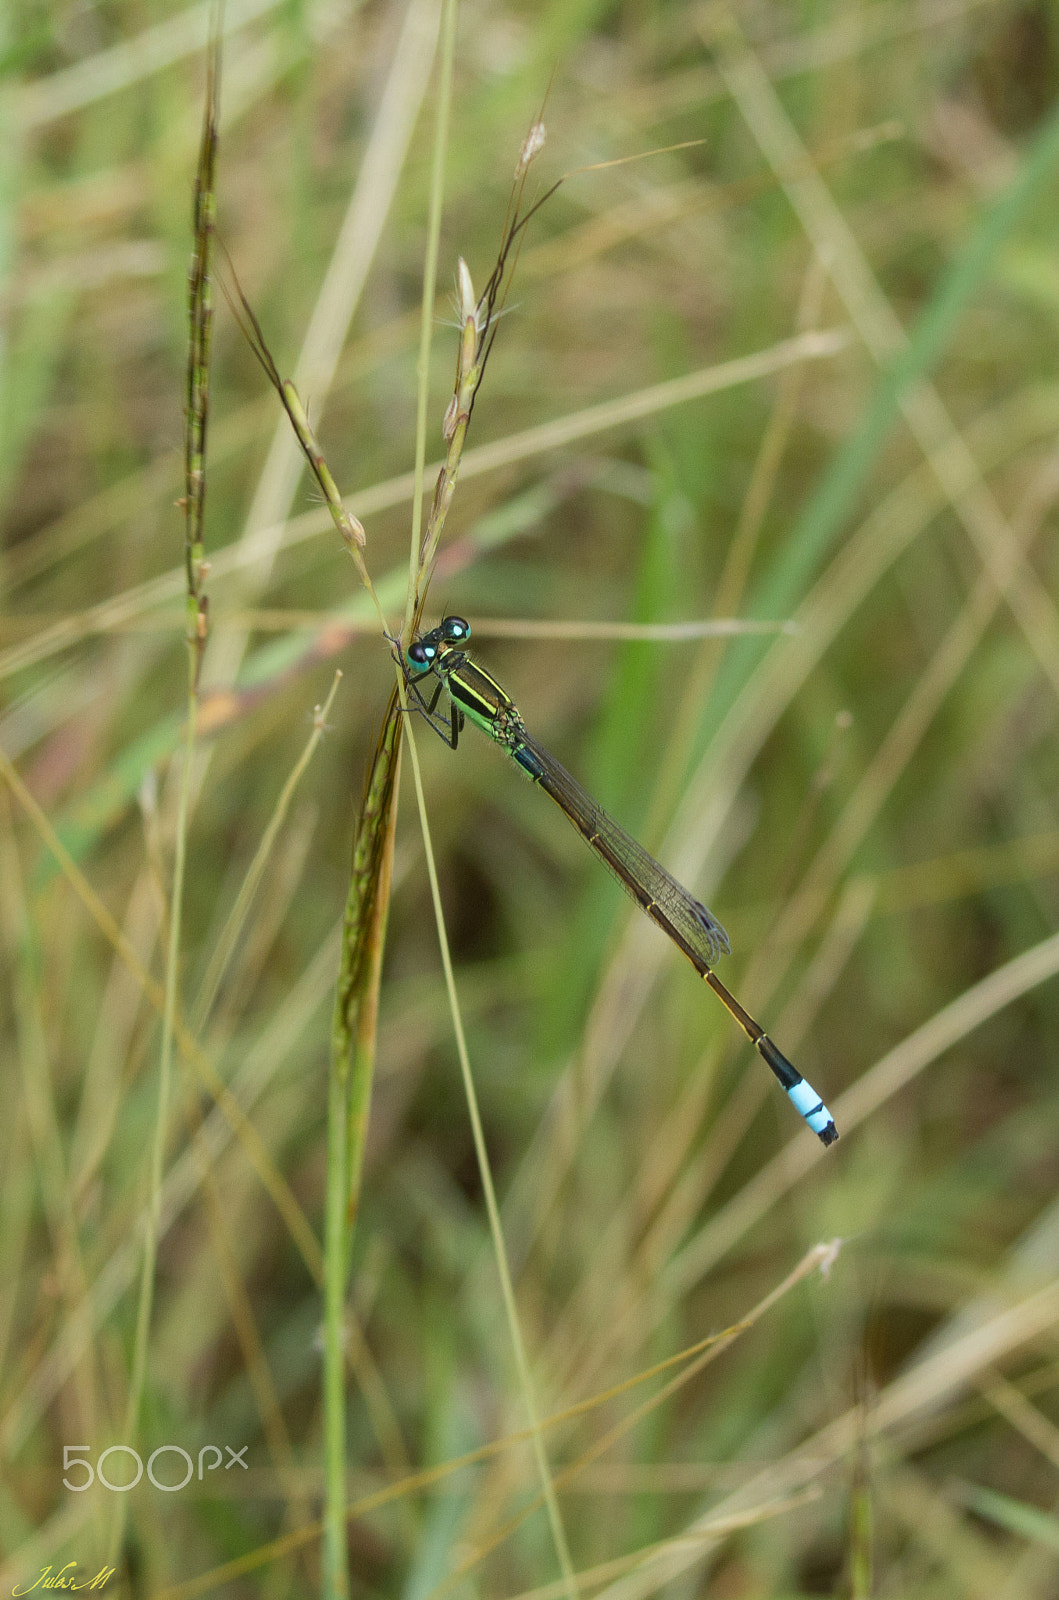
[244, 553]
[372, 196]
[711, 792]
[188, 1047]
[819, 1258]
[892, 1073]
[923, 1388]
[883, 336]
[178, 1189]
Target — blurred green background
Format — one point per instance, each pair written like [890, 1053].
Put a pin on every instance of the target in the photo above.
[867, 802]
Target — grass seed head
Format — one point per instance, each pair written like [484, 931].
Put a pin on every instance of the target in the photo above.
[532, 145]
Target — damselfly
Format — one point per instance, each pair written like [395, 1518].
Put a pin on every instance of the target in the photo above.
[441, 654]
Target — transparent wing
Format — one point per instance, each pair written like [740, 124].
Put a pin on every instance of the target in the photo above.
[676, 911]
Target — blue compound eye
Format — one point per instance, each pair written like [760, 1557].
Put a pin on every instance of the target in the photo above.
[421, 655]
[456, 628]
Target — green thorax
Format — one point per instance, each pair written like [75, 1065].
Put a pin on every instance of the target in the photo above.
[480, 697]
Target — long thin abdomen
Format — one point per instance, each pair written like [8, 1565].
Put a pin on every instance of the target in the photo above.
[671, 907]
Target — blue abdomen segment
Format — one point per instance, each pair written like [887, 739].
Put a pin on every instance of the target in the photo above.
[805, 1098]
[800, 1092]
[528, 762]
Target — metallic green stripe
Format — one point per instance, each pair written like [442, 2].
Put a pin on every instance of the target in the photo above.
[476, 693]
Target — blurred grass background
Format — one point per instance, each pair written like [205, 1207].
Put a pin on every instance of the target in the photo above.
[867, 804]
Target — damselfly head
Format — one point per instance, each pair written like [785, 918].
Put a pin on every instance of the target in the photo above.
[421, 656]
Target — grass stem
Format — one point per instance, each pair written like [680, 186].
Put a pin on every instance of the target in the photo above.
[555, 1521]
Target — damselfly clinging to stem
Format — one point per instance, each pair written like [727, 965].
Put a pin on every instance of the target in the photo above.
[441, 653]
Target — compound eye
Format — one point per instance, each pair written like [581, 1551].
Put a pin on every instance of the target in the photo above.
[420, 655]
[456, 628]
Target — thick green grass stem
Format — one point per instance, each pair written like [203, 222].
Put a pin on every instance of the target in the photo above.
[362, 1070]
[336, 1240]
[348, 1101]
[353, 1048]
[562, 1550]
